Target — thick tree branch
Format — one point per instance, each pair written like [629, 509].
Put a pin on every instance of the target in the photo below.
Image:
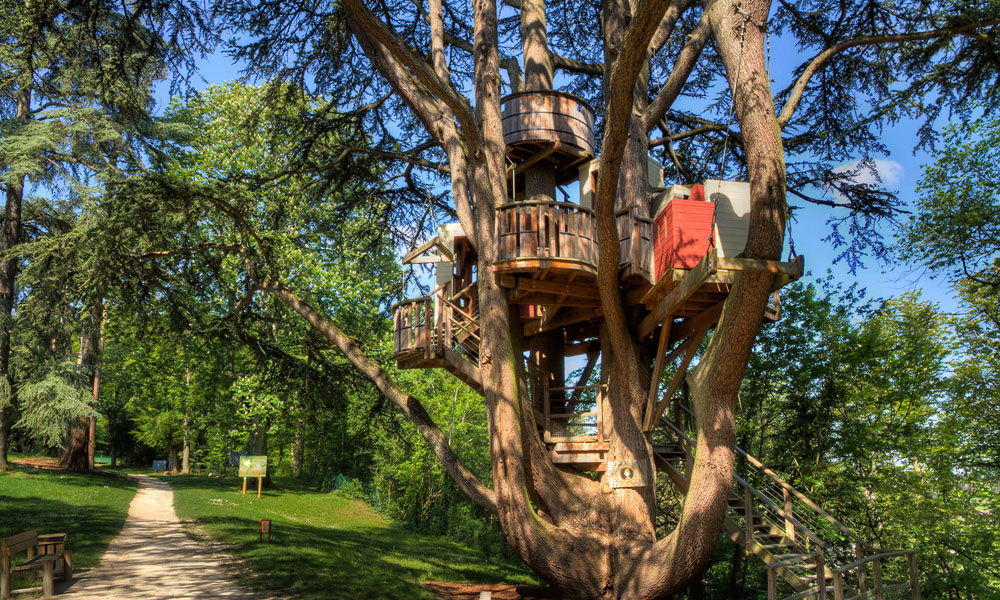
[362, 19]
[625, 71]
[678, 75]
[187, 250]
[410, 406]
[576, 66]
[798, 89]
[667, 24]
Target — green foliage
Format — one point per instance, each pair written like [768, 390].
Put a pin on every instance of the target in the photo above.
[53, 403]
[327, 545]
[881, 414]
[955, 230]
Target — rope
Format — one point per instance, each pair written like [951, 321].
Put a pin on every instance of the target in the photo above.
[791, 239]
[736, 86]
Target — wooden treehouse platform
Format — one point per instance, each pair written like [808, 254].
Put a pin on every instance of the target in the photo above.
[680, 255]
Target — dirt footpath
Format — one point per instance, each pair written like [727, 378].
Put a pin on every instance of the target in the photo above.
[152, 559]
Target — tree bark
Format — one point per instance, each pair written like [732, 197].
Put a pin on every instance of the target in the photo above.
[10, 237]
[172, 461]
[186, 451]
[588, 540]
[186, 425]
[98, 317]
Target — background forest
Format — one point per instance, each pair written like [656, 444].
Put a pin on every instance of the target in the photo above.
[133, 310]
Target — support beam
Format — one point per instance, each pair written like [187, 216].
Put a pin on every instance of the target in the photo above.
[654, 417]
[549, 287]
[661, 348]
[569, 317]
[678, 294]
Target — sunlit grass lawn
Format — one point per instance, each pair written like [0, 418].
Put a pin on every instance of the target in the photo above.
[327, 546]
[90, 509]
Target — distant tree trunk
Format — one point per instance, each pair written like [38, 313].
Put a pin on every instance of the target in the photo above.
[298, 446]
[258, 444]
[186, 452]
[172, 461]
[10, 237]
[114, 458]
[78, 455]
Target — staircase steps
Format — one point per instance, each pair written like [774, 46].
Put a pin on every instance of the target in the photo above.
[586, 456]
[792, 552]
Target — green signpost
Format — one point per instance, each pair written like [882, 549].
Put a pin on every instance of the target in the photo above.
[253, 466]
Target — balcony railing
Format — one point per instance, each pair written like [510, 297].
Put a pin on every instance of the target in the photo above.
[432, 324]
[545, 235]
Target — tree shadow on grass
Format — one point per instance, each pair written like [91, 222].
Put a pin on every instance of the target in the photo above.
[89, 525]
[316, 562]
[324, 546]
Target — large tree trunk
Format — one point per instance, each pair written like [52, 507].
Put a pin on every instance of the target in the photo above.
[588, 539]
[10, 237]
[172, 462]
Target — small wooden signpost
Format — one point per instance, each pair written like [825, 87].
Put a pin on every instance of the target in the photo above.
[253, 466]
[265, 527]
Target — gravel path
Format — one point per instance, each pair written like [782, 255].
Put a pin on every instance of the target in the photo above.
[152, 559]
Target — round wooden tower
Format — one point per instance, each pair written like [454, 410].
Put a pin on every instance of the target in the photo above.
[547, 128]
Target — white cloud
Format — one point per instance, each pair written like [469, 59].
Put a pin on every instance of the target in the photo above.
[885, 173]
[890, 172]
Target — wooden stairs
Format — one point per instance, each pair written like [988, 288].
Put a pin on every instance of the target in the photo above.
[808, 553]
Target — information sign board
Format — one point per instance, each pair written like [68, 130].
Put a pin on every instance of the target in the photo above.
[253, 466]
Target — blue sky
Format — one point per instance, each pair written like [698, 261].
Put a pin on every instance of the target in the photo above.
[900, 171]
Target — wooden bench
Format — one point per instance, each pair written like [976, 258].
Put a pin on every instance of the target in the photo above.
[46, 553]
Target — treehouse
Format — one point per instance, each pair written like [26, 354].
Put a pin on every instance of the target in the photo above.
[680, 251]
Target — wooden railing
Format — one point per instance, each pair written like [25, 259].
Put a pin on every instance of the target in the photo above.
[433, 323]
[532, 231]
[806, 530]
[413, 325]
[635, 239]
[864, 577]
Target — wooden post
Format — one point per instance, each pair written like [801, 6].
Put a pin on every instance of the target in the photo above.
[789, 526]
[748, 519]
[862, 582]
[244, 486]
[260, 484]
[911, 558]
[546, 406]
[877, 579]
[600, 413]
[772, 585]
[428, 350]
[838, 586]
[4, 572]
[48, 578]
[820, 576]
